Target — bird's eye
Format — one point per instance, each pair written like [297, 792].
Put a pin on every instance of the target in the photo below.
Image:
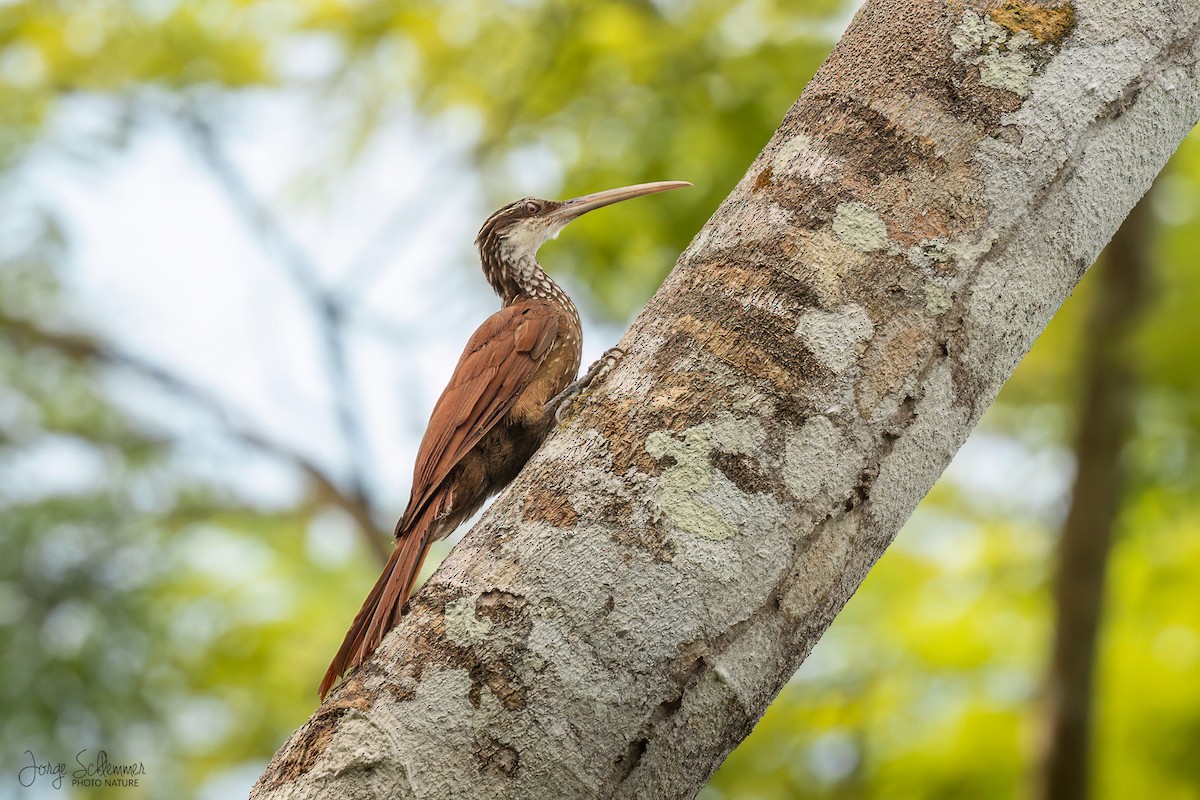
[532, 207]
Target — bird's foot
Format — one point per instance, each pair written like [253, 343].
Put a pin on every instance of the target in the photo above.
[562, 402]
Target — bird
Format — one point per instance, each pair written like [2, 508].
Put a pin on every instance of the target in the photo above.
[510, 388]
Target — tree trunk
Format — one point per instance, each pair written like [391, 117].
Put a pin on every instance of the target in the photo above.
[624, 613]
[1106, 418]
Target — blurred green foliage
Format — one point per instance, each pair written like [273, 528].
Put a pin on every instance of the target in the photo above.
[151, 616]
[612, 93]
[123, 627]
[53, 48]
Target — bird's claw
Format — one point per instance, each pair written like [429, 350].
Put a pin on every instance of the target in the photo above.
[560, 412]
[567, 397]
[604, 363]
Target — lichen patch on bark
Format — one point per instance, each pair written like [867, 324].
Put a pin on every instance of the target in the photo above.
[823, 261]
[837, 338]
[799, 157]
[1010, 43]
[859, 226]
[680, 492]
[937, 299]
[1001, 55]
[462, 626]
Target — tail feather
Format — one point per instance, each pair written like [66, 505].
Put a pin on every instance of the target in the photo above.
[381, 611]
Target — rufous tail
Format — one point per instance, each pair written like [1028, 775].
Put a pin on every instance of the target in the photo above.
[381, 610]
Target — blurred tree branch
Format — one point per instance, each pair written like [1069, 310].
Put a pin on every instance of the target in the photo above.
[1109, 378]
[327, 312]
[84, 348]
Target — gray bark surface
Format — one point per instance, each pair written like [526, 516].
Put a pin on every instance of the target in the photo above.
[624, 613]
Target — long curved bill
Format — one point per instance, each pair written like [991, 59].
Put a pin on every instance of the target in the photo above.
[570, 209]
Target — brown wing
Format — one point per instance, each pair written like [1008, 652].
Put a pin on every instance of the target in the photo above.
[499, 362]
[496, 366]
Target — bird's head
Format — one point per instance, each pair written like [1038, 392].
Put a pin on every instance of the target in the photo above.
[515, 232]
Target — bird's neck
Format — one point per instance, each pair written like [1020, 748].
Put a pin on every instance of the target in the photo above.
[521, 277]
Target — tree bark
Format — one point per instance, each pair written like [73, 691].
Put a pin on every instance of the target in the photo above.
[623, 614]
[1106, 419]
